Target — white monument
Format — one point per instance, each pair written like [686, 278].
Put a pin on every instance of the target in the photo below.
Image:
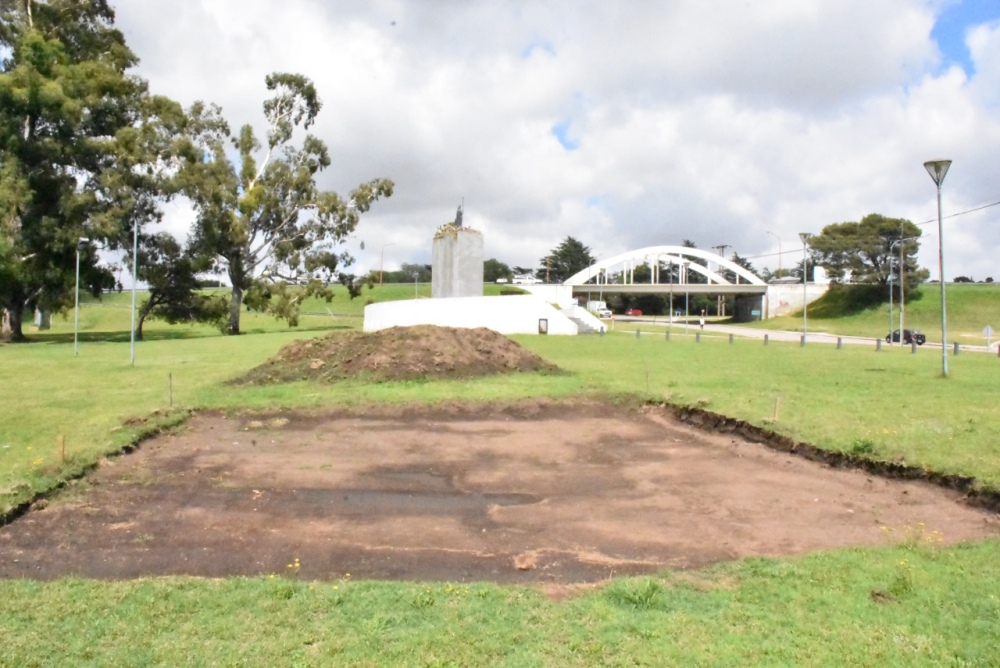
[457, 260]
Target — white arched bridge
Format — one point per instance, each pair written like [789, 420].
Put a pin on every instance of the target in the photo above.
[617, 274]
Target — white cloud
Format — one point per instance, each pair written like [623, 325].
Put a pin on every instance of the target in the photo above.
[709, 121]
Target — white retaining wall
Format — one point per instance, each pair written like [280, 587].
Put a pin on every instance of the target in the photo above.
[785, 298]
[508, 314]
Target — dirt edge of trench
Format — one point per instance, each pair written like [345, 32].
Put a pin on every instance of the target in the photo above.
[974, 494]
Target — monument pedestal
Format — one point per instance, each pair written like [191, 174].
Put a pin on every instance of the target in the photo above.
[457, 262]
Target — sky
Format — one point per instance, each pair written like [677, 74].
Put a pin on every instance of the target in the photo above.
[623, 125]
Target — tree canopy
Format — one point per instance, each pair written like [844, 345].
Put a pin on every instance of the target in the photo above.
[260, 215]
[868, 251]
[566, 259]
[65, 99]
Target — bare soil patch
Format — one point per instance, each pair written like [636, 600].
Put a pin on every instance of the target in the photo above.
[398, 353]
[535, 491]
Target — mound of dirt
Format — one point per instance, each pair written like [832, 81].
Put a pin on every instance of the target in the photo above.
[398, 353]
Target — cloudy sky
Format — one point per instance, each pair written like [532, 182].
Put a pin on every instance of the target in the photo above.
[623, 124]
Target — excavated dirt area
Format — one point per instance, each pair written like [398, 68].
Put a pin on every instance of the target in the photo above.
[398, 353]
[536, 491]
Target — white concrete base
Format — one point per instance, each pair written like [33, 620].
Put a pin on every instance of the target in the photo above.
[782, 299]
[508, 314]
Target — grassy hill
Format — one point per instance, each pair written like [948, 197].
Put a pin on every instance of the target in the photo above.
[970, 306]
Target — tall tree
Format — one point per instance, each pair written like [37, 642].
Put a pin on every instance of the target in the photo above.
[64, 96]
[740, 261]
[260, 215]
[868, 251]
[494, 269]
[564, 260]
[174, 289]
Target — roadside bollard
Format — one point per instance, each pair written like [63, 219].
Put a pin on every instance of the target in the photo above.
[956, 347]
[667, 337]
[802, 341]
[840, 343]
[697, 337]
[766, 338]
[878, 345]
[730, 339]
[913, 348]
[637, 333]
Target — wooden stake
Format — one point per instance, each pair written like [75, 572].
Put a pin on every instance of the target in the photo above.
[61, 448]
[777, 406]
[171, 376]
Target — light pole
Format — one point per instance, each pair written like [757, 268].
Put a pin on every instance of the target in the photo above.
[381, 262]
[938, 169]
[902, 282]
[82, 243]
[779, 250]
[670, 279]
[135, 259]
[805, 236]
[415, 277]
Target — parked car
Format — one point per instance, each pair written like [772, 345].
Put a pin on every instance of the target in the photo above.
[526, 280]
[909, 336]
[603, 313]
[633, 311]
[501, 280]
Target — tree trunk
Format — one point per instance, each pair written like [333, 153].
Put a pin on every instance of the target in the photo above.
[12, 325]
[235, 304]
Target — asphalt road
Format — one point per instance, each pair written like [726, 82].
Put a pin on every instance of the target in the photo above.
[785, 335]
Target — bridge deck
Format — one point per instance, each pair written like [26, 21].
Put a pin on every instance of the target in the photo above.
[677, 288]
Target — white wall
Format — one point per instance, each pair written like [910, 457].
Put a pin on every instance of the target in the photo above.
[785, 298]
[508, 314]
[554, 293]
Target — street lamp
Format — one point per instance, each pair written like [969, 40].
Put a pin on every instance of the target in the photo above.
[805, 236]
[135, 259]
[902, 282]
[779, 251]
[381, 262]
[82, 243]
[938, 169]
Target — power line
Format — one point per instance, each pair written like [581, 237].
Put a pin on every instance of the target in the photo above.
[926, 222]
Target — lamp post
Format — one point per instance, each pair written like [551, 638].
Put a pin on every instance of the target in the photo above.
[80, 245]
[779, 252]
[805, 236]
[381, 262]
[938, 169]
[135, 259]
[902, 282]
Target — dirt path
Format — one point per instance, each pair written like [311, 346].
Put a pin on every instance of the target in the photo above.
[530, 492]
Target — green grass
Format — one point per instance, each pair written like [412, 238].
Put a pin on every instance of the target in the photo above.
[931, 605]
[907, 605]
[970, 307]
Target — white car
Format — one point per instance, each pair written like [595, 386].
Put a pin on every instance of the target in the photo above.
[526, 280]
[501, 280]
[603, 313]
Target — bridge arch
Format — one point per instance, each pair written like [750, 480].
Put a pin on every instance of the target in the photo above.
[672, 255]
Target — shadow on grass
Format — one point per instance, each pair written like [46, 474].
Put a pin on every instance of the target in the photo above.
[63, 338]
[844, 300]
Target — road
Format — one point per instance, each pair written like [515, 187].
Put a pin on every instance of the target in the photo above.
[785, 335]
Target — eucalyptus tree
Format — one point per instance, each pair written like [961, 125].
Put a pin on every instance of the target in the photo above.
[260, 215]
[65, 95]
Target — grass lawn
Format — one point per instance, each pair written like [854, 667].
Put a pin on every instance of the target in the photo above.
[911, 604]
[971, 307]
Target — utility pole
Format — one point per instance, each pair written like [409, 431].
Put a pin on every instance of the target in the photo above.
[720, 303]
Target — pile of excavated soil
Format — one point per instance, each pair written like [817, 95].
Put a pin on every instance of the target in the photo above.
[398, 353]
